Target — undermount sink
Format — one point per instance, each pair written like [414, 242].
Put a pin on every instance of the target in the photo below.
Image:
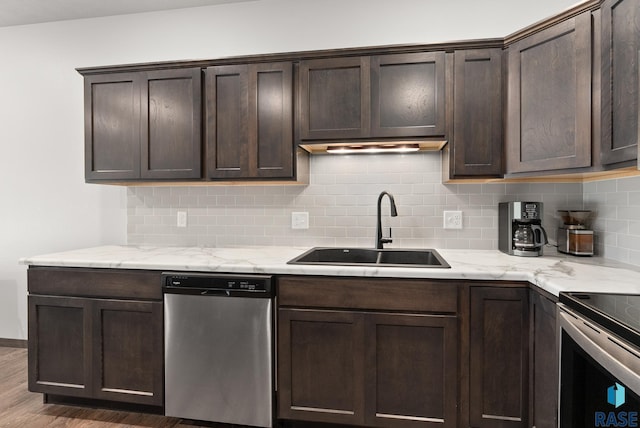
[371, 257]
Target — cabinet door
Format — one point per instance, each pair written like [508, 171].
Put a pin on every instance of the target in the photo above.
[475, 145]
[60, 350]
[549, 98]
[250, 121]
[271, 120]
[335, 99]
[620, 88]
[408, 95]
[498, 357]
[128, 350]
[320, 366]
[227, 98]
[411, 370]
[170, 116]
[544, 362]
[112, 126]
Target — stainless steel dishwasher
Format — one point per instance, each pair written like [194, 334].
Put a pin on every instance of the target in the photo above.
[218, 345]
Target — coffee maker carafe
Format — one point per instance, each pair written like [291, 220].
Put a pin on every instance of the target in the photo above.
[520, 230]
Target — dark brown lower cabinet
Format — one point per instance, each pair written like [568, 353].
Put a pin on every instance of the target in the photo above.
[371, 369]
[498, 357]
[59, 352]
[367, 352]
[321, 366]
[410, 370]
[543, 362]
[95, 348]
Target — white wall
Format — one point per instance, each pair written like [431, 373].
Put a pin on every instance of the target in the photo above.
[47, 207]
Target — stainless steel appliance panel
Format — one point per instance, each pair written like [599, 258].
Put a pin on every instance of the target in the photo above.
[599, 368]
[218, 363]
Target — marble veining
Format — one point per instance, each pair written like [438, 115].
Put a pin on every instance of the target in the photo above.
[553, 272]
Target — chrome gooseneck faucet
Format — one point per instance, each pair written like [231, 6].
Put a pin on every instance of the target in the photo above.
[380, 241]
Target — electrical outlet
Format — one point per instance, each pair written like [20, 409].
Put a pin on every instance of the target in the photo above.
[300, 220]
[182, 219]
[452, 219]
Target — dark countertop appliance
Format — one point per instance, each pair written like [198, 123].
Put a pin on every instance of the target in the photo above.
[574, 236]
[599, 359]
[520, 231]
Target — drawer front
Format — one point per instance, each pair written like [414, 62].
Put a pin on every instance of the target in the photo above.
[107, 283]
[386, 294]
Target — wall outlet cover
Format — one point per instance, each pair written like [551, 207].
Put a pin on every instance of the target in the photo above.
[452, 219]
[300, 220]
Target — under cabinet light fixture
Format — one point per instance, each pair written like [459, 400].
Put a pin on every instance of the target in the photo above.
[344, 148]
[381, 148]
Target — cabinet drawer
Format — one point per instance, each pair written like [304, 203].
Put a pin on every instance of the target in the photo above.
[109, 283]
[369, 293]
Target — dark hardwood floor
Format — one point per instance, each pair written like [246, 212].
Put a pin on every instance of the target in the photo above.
[24, 409]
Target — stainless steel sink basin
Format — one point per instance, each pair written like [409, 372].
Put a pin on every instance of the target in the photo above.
[371, 257]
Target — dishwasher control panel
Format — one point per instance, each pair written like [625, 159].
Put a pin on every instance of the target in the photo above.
[176, 281]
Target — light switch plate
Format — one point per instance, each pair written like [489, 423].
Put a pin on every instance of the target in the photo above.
[182, 219]
[452, 219]
[300, 220]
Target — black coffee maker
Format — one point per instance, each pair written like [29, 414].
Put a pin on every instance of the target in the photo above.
[520, 231]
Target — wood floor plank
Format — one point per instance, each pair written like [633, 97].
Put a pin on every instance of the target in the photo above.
[20, 408]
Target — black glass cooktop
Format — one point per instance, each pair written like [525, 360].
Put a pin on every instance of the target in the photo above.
[619, 313]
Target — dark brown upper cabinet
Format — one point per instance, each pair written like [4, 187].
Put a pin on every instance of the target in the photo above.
[549, 98]
[249, 124]
[335, 98]
[620, 56]
[143, 125]
[476, 138]
[112, 126]
[171, 117]
[383, 96]
[408, 95]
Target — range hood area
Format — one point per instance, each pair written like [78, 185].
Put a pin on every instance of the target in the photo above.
[374, 147]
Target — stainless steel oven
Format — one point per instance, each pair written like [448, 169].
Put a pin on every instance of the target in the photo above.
[599, 360]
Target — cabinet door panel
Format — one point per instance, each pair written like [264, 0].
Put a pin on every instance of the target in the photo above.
[544, 362]
[112, 126]
[129, 342]
[335, 98]
[227, 118]
[408, 95]
[411, 370]
[170, 138]
[59, 346]
[476, 143]
[549, 98]
[320, 366]
[272, 87]
[498, 357]
[620, 87]
[250, 121]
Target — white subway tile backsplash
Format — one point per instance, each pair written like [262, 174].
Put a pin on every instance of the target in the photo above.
[634, 228]
[341, 201]
[628, 185]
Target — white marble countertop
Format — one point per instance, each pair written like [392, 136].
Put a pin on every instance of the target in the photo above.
[553, 273]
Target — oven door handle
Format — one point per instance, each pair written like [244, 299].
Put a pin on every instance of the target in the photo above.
[620, 359]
